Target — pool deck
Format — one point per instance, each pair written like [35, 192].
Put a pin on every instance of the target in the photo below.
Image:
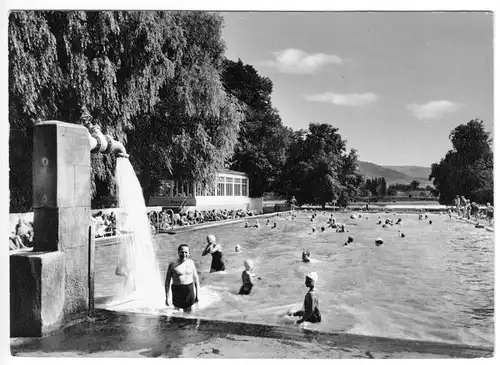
[131, 335]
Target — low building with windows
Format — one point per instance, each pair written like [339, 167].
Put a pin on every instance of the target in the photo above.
[229, 192]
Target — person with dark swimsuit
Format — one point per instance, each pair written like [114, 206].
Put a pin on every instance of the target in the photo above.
[306, 255]
[216, 251]
[247, 277]
[310, 311]
[185, 282]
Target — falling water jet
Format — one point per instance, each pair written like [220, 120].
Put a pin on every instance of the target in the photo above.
[138, 262]
[137, 252]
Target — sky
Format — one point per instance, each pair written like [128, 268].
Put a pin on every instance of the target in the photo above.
[395, 84]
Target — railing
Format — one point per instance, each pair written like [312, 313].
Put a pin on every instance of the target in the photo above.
[183, 205]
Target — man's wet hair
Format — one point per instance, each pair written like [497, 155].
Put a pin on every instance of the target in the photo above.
[181, 246]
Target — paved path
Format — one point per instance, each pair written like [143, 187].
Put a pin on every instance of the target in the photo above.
[113, 334]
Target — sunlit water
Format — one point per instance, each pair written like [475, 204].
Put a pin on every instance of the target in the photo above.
[136, 250]
[435, 284]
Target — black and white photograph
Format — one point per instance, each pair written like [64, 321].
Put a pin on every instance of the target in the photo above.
[249, 184]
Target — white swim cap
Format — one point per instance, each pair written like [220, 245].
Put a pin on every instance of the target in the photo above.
[211, 238]
[313, 275]
[237, 248]
[379, 240]
[248, 264]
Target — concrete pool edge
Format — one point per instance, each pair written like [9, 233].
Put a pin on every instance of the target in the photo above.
[470, 221]
[196, 332]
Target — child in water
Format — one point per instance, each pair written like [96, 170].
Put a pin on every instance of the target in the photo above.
[247, 277]
[310, 312]
[342, 229]
[124, 270]
[306, 255]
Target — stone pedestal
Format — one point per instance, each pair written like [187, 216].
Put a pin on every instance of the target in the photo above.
[37, 294]
[61, 204]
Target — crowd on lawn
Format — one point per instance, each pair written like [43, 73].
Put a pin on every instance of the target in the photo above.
[166, 219]
[105, 224]
[21, 236]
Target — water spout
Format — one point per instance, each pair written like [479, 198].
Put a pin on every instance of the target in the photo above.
[102, 143]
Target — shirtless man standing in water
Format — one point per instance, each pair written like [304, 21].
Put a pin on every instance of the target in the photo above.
[185, 282]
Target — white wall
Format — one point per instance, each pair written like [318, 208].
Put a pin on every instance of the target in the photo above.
[221, 202]
[256, 204]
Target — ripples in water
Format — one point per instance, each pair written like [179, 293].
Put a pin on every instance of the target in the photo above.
[435, 284]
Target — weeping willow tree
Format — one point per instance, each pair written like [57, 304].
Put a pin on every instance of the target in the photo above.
[150, 79]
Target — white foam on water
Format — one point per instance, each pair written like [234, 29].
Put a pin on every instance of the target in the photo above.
[286, 320]
[137, 252]
[207, 297]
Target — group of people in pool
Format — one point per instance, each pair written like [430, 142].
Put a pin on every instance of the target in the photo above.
[182, 284]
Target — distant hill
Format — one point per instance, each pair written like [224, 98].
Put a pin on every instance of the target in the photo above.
[417, 172]
[396, 174]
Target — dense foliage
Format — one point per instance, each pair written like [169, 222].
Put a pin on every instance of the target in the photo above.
[377, 186]
[159, 83]
[150, 79]
[318, 169]
[263, 140]
[467, 169]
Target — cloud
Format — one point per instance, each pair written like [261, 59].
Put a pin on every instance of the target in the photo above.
[344, 99]
[433, 110]
[295, 61]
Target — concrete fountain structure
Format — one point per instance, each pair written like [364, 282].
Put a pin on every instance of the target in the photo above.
[49, 286]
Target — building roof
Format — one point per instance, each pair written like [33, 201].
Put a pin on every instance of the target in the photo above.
[225, 171]
[167, 176]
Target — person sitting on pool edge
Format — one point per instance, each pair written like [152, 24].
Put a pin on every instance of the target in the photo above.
[185, 282]
[310, 312]
[216, 251]
[247, 277]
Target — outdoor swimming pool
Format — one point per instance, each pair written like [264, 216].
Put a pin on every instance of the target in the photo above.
[436, 284]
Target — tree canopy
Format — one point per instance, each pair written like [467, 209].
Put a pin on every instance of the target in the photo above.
[158, 82]
[150, 79]
[467, 169]
[318, 169]
[263, 140]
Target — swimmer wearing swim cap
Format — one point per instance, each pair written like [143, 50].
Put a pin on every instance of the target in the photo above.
[306, 255]
[216, 251]
[310, 311]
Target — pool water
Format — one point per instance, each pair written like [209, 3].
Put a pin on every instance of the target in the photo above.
[435, 284]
